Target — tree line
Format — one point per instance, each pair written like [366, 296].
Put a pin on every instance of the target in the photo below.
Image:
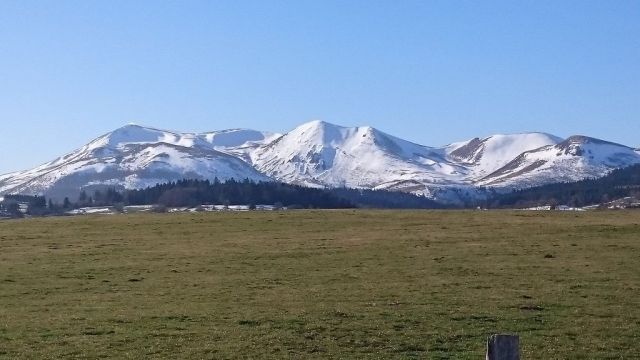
[617, 184]
[191, 193]
[231, 192]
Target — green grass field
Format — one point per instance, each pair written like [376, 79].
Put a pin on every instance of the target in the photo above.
[321, 284]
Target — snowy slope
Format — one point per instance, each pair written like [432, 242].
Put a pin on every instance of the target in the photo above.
[235, 138]
[322, 154]
[484, 156]
[129, 157]
[576, 158]
[238, 142]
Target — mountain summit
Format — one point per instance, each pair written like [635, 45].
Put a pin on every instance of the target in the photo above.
[576, 158]
[320, 154]
[323, 154]
[130, 157]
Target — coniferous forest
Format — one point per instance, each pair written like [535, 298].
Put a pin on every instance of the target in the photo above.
[192, 193]
[232, 192]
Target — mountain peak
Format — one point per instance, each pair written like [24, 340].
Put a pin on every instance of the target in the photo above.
[489, 154]
[318, 124]
[575, 158]
[132, 133]
[317, 132]
[133, 126]
[582, 139]
[577, 143]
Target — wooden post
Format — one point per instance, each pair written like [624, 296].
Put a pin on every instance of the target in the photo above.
[503, 347]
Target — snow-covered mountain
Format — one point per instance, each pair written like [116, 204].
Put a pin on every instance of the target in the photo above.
[133, 157]
[487, 155]
[573, 159]
[320, 154]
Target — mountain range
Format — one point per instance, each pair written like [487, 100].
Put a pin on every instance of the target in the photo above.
[320, 154]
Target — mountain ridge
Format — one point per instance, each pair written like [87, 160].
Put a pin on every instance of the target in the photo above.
[322, 154]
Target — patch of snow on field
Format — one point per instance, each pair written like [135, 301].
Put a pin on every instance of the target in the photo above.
[557, 208]
[91, 210]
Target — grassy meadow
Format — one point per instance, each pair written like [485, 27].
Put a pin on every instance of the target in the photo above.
[320, 284]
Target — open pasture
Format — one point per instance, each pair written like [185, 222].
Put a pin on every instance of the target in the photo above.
[321, 284]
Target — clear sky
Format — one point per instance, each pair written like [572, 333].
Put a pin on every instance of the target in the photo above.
[432, 72]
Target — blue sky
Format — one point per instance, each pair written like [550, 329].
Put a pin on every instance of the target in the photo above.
[432, 72]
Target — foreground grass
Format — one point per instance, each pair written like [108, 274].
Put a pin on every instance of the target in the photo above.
[321, 284]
